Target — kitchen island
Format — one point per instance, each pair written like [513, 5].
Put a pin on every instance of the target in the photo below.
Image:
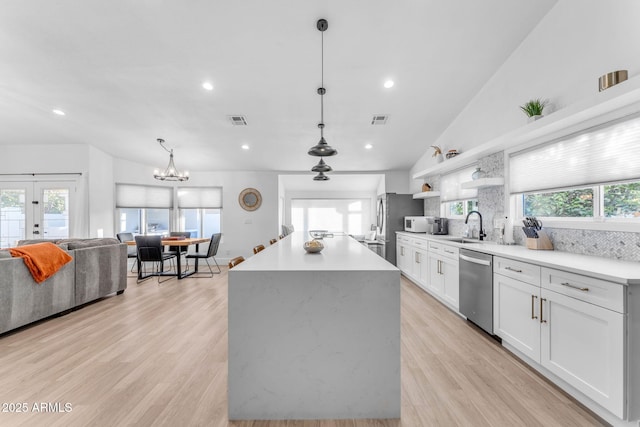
[314, 336]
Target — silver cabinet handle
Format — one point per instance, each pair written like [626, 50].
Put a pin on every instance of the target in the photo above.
[513, 269]
[449, 252]
[533, 298]
[402, 250]
[542, 300]
[417, 257]
[580, 288]
[475, 260]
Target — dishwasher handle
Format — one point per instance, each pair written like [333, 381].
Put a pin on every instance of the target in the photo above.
[475, 260]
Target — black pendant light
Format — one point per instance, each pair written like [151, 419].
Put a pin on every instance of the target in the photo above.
[322, 149]
[321, 167]
[321, 177]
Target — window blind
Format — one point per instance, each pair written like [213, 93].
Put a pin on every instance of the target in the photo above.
[450, 185]
[143, 196]
[200, 197]
[607, 153]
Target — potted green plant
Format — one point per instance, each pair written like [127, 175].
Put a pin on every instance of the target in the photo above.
[533, 109]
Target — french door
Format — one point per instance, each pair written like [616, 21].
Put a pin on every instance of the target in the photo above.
[35, 210]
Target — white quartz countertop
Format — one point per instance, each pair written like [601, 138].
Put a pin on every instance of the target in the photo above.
[624, 272]
[340, 253]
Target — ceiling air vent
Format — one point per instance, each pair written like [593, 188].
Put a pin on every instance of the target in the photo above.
[238, 120]
[379, 119]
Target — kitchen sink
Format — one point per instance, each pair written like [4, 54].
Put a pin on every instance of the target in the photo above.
[462, 240]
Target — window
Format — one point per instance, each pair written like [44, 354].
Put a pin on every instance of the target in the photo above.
[460, 208]
[200, 222]
[619, 201]
[456, 201]
[351, 216]
[143, 209]
[200, 210]
[148, 209]
[591, 176]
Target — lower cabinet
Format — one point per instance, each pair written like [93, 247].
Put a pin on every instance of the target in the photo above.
[516, 314]
[578, 341]
[584, 345]
[420, 267]
[431, 265]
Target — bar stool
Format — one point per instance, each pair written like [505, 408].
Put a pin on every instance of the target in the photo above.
[258, 249]
[237, 260]
[272, 241]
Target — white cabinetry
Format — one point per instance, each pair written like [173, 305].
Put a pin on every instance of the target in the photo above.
[576, 333]
[583, 344]
[404, 254]
[420, 268]
[431, 265]
[515, 314]
[444, 273]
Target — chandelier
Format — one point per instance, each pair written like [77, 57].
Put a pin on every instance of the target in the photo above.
[322, 149]
[171, 173]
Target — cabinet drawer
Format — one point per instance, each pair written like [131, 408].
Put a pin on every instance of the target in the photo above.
[522, 271]
[403, 239]
[444, 250]
[420, 243]
[595, 291]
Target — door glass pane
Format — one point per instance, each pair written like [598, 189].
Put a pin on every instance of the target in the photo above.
[12, 217]
[55, 224]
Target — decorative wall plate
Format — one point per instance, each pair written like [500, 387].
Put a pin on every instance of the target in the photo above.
[250, 199]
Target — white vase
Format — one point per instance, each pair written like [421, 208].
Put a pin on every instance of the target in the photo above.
[534, 118]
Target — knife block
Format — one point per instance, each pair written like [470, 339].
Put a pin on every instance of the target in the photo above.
[541, 243]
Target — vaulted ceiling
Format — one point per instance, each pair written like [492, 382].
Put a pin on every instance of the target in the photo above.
[127, 72]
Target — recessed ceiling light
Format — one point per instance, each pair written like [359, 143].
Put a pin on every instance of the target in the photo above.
[368, 146]
[388, 84]
[58, 112]
[245, 147]
[207, 85]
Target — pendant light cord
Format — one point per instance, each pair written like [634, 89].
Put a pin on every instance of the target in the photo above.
[322, 83]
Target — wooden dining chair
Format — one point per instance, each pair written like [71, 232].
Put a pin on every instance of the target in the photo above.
[272, 241]
[281, 236]
[258, 249]
[237, 260]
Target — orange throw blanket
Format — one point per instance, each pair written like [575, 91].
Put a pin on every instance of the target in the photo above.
[42, 259]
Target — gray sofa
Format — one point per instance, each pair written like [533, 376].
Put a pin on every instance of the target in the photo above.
[98, 268]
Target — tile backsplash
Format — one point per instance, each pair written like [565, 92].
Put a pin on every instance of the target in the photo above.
[608, 244]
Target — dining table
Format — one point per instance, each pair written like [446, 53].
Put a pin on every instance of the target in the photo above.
[182, 243]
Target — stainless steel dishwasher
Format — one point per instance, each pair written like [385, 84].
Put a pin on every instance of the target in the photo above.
[476, 288]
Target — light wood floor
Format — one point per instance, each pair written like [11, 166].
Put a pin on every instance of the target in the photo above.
[157, 355]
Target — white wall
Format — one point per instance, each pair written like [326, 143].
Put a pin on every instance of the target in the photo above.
[101, 193]
[561, 60]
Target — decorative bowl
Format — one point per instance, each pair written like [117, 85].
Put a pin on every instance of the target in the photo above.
[318, 234]
[313, 246]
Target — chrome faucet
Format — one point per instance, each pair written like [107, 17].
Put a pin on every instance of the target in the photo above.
[481, 233]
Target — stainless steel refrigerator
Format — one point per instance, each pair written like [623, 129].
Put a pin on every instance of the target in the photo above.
[391, 210]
